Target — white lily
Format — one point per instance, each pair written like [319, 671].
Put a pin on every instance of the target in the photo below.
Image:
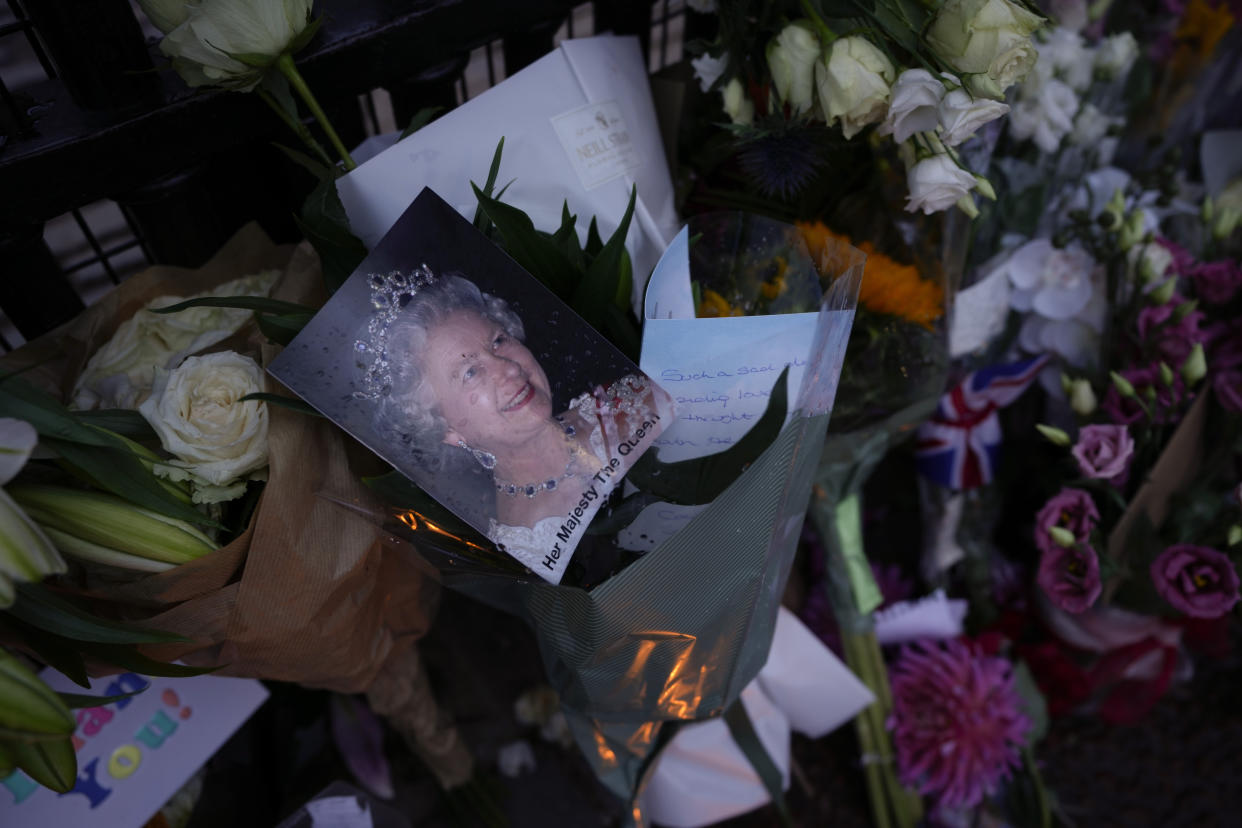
[26, 554]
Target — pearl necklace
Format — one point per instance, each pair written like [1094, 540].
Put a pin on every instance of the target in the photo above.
[532, 489]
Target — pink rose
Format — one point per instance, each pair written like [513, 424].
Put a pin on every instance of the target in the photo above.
[1197, 580]
[1104, 451]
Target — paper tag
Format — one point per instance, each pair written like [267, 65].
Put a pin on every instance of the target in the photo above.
[597, 142]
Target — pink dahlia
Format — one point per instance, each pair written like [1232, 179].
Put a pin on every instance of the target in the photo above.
[957, 722]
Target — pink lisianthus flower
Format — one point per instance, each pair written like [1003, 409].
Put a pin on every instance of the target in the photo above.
[1217, 282]
[1196, 580]
[1104, 452]
[957, 722]
[1164, 408]
[1071, 509]
[1070, 577]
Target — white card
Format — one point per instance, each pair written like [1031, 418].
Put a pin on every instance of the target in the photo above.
[135, 753]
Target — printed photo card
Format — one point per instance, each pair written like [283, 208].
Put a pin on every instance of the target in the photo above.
[452, 363]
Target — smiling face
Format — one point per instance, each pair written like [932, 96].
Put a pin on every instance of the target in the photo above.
[490, 389]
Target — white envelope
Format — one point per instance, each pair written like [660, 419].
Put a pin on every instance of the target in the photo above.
[579, 127]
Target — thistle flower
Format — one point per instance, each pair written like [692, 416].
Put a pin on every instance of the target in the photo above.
[781, 163]
[957, 722]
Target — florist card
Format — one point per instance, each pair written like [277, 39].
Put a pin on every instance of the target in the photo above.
[459, 368]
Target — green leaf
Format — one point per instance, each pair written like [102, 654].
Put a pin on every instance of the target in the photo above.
[1032, 702]
[622, 331]
[316, 168]
[121, 421]
[481, 222]
[75, 701]
[298, 43]
[53, 764]
[40, 608]
[702, 479]
[326, 226]
[282, 328]
[23, 401]
[291, 403]
[533, 251]
[566, 238]
[122, 655]
[261, 304]
[421, 118]
[595, 243]
[599, 286]
[58, 653]
[120, 472]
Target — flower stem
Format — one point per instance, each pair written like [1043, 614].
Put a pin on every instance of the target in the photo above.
[297, 126]
[826, 34]
[290, 71]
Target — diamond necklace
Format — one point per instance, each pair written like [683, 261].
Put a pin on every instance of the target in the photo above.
[532, 489]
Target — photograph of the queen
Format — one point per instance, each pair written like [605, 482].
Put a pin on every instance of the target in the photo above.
[523, 423]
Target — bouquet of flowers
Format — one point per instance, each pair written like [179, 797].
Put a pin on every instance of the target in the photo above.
[1140, 530]
[797, 79]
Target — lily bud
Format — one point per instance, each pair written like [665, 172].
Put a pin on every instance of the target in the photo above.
[28, 707]
[1066, 383]
[1082, 397]
[1163, 292]
[1195, 366]
[967, 205]
[1226, 222]
[984, 187]
[1054, 435]
[107, 524]
[26, 553]
[1123, 386]
[1183, 310]
[1062, 536]
[1166, 374]
[1132, 230]
[1235, 535]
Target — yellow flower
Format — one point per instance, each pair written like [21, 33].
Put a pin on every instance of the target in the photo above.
[712, 304]
[888, 286]
[1202, 26]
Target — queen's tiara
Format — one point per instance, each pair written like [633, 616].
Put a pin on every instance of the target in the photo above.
[389, 294]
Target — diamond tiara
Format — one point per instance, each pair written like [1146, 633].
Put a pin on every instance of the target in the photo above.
[390, 293]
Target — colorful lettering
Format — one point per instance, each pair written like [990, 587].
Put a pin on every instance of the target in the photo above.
[124, 761]
[154, 732]
[88, 787]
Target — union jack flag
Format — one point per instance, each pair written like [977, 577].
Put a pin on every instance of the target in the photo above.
[960, 445]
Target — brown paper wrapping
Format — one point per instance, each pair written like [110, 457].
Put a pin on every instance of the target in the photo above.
[309, 593]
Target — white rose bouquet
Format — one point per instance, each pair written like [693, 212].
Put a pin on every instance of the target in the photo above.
[930, 74]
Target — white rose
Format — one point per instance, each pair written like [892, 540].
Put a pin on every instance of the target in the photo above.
[736, 105]
[853, 81]
[708, 69]
[1045, 117]
[985, 37]
[961, 115]
[1115, 55]
[937, 183]
[915, 105]
[119, 374]
[791, 60]
[201, 36]
[196, 410]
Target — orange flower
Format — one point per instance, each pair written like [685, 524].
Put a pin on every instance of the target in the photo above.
[712, 304]
[887, 286]
[1202, 26]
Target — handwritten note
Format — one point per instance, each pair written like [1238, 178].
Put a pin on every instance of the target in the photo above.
[135, 753]
[720, 373]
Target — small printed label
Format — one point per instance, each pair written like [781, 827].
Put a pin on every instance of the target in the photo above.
[597, 141]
